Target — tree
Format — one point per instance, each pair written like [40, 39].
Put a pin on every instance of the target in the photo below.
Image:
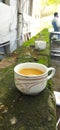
[48, 7]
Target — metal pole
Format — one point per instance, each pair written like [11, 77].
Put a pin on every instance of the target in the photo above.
[20, 23]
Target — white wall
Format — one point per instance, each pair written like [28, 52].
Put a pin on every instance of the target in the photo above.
[8, 24]
[5, 18]
[13, 25]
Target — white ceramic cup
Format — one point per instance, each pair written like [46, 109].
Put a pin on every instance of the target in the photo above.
[40, 44]
[32, 85]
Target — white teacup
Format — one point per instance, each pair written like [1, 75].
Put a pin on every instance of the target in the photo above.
[40, 44]
[32, 84]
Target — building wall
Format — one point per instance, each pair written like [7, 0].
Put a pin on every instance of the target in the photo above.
[13, 24]
[30, 7]
[13, 31]
[22, 27]
[1, 0]
[6, 2]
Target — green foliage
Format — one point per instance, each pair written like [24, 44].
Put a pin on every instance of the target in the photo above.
[49, 2]
[54, 1]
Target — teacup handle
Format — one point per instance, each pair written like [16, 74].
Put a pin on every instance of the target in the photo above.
[52, 72]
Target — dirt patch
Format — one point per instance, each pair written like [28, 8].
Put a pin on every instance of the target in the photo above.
[8, 61]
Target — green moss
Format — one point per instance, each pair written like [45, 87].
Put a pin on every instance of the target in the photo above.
[22, 128]
[43, 35]
[31, 112]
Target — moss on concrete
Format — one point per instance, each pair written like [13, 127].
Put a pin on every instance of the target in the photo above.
[24, 112]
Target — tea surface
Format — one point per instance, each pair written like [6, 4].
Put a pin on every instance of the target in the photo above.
[30, 71]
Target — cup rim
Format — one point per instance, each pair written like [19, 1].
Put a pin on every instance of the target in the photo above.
[40, 41]
[31, 76]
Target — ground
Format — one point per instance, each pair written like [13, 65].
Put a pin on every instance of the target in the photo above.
[8, 61]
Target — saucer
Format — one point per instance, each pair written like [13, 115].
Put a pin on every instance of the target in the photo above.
[57, 96]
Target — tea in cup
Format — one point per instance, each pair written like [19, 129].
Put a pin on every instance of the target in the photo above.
[31, 78]
[30, 72]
